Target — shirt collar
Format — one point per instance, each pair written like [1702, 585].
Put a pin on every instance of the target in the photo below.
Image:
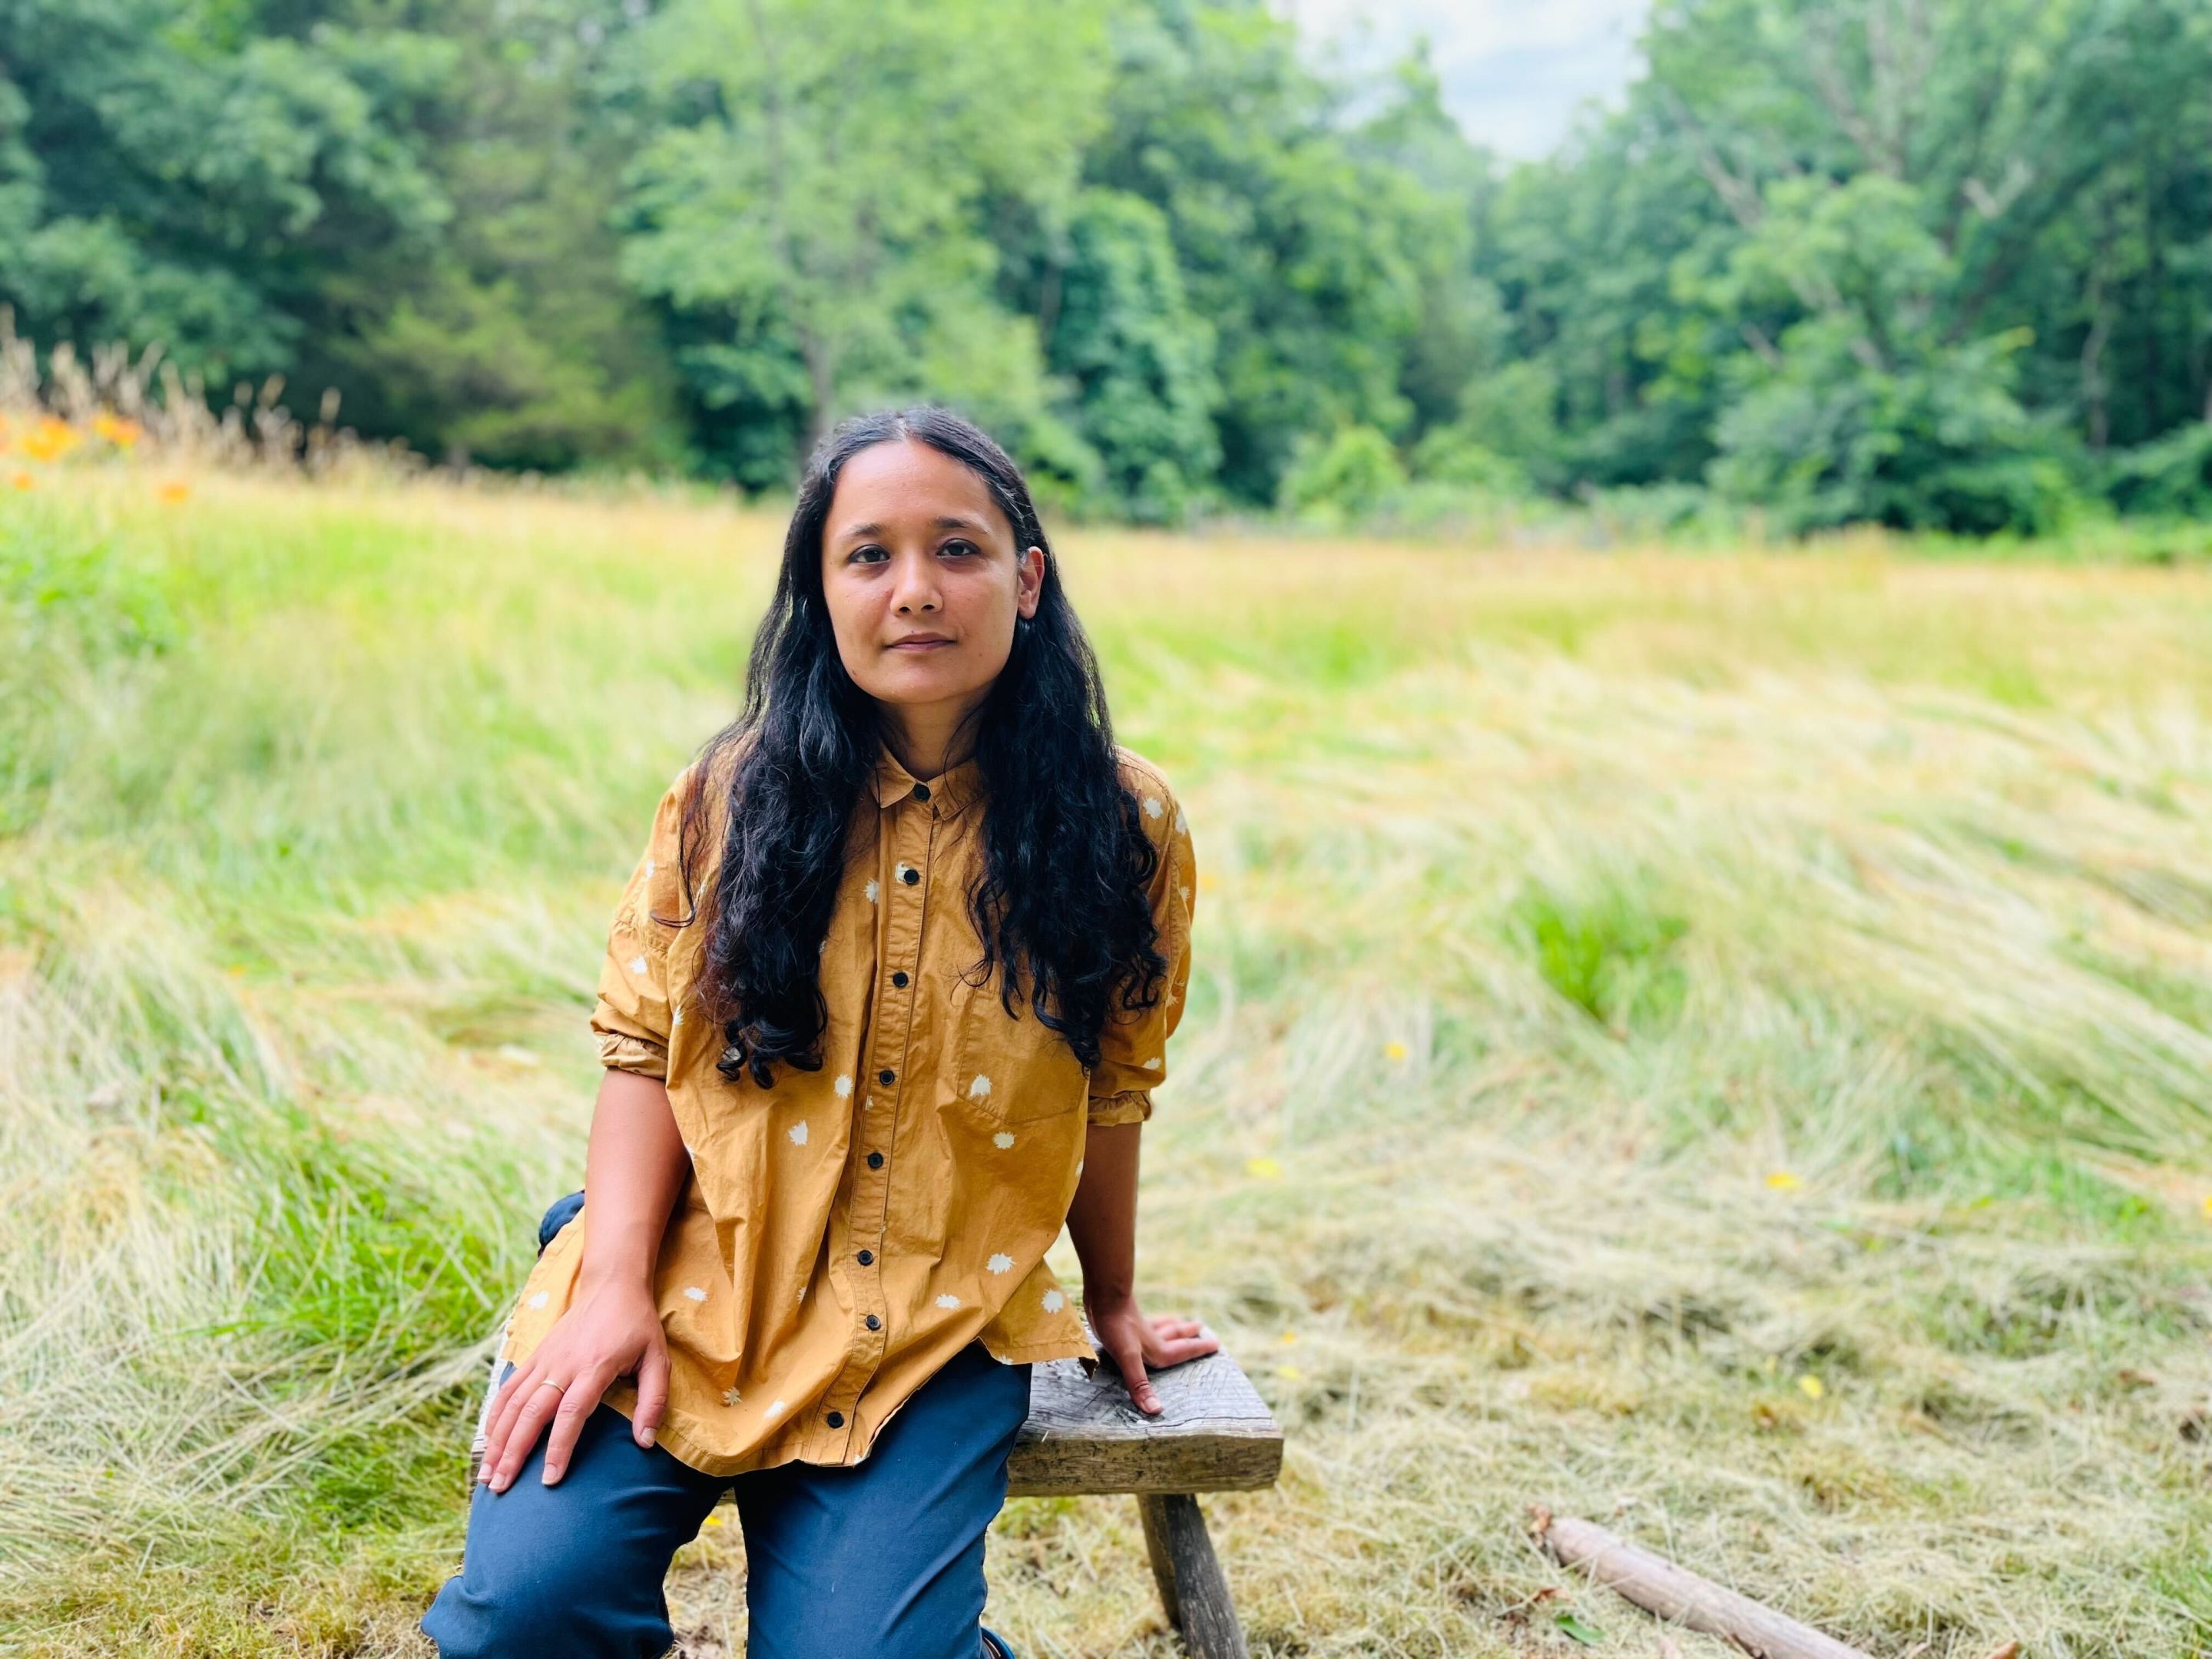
[949, 791]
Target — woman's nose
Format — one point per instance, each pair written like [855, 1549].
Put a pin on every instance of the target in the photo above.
[917, 589]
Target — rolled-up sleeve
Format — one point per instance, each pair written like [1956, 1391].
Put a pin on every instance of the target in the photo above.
[631, 1018]
[1133, 1049]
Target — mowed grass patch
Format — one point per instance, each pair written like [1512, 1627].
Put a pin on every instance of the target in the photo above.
[1714, 1043]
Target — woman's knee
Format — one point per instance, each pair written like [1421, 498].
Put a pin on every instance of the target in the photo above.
[576, 1567]
[562, 1594]
[506, 1621]
[563, 1211]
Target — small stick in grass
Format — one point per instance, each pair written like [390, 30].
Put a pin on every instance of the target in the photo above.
[1673, 1593]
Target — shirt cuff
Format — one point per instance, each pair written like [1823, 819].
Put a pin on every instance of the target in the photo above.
[1130, 1106]
[622, 1053]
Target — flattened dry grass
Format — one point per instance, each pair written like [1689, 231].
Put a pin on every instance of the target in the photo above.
[1716, 1044]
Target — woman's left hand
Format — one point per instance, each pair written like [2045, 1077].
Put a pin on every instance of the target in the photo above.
[1138, 1344]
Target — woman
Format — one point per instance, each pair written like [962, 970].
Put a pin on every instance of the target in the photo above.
[881, 1009]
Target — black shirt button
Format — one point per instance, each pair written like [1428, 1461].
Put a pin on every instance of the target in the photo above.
[874, 1323]
[912, 876]
[887, 1077]
[899, 979]
[875, 1160]
[922, 792]
[835, 1420]
[867, 1256]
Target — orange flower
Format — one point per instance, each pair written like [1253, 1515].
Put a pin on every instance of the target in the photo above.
[173, 493]
[49, 439]
[23, 480]
[117, 430]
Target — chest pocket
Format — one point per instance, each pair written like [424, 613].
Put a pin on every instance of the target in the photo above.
[1006, 1070]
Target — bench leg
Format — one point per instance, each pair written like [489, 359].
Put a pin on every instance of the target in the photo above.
[1192, 1589]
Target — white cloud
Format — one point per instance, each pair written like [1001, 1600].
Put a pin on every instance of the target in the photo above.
[1515, 73]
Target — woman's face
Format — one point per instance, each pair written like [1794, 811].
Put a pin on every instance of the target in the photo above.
[922, 578]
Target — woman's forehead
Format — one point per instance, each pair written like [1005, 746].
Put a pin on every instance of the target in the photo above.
[910, 485]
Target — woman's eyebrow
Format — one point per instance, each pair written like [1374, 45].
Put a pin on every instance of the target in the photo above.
[949, 521]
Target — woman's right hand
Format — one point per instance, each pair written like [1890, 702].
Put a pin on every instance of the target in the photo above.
[611, 1330]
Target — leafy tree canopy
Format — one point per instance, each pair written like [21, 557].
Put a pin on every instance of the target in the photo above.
[1940, 263]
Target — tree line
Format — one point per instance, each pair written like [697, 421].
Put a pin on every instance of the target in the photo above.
[1936, 264]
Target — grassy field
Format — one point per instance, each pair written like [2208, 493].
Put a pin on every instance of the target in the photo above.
[1720, 1045]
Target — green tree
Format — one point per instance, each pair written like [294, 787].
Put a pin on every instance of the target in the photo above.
[1927, 262]
[1907, 183]
[1961, 232]
[1583, 251]
[1308, 259]
[1865, 408]
[1460, 330]
[1119, 329]
[517, 343]
[809, 210]
[176, 175]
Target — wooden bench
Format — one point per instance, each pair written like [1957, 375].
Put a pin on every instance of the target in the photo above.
[1085, 1435]
[1214, 1433]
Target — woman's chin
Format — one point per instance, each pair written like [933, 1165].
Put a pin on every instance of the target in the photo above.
[917, 684]
[923, 691]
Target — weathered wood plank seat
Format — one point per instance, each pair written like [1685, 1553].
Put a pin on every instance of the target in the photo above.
[1086, 1436]
[1214, 1433]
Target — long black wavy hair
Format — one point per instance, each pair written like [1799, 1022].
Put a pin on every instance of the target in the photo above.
[1059, 901]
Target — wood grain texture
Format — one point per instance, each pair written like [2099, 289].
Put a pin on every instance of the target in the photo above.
[1673, 1593]
[1084, 1434]
[1193, 1589]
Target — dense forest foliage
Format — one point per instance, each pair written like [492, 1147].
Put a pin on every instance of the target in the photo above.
[1930, 263]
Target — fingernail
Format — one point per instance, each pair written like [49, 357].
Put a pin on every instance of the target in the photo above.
[499, 1483]
[550, 1475]
[646, 1439]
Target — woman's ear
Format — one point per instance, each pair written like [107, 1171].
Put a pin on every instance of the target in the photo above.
[1030, 582]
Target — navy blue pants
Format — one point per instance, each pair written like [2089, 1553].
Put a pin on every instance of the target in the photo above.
[883, 1560]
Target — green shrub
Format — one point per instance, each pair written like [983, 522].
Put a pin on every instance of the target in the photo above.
[1936, 442]
[2172, 475]
[1335, 481]
[1451, 455]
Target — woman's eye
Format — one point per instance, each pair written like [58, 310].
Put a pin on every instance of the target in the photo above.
[960, 547]
[868, 554]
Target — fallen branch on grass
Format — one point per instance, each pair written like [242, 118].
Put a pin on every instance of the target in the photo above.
[1680, 1596]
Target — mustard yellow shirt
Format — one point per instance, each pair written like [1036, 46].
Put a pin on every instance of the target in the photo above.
[843, 1234]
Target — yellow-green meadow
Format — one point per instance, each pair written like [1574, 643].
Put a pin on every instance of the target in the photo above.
[1718, 1044]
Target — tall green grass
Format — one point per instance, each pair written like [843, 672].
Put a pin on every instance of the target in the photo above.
[1717, 1043]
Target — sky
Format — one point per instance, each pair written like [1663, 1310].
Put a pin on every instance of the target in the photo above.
[1514, 72]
